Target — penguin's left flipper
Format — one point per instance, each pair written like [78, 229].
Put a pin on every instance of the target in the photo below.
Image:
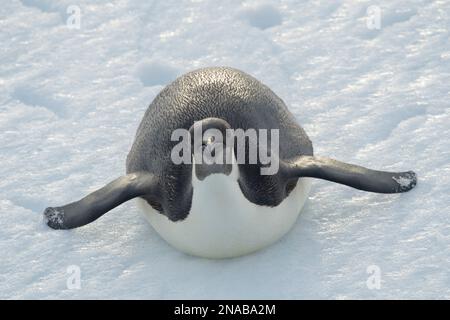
[351, 175]
[96, 204]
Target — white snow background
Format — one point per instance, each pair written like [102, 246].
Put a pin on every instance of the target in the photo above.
[71, 101]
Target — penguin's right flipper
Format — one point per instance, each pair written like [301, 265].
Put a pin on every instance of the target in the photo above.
[96, 204]
[351, 175]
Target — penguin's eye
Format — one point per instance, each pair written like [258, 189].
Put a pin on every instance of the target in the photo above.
[209, 140]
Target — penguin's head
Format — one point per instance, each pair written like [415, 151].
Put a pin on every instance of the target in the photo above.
[211, 153]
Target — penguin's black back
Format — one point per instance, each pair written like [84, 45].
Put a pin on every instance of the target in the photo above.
[219, 92]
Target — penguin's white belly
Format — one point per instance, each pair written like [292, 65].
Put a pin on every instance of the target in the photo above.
[222, 223]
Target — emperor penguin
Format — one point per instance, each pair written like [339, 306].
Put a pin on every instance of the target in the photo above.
[221, 168]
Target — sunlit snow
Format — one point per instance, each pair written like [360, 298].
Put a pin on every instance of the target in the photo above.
[367, 91]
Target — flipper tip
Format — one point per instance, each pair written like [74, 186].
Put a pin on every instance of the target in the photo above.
[54, 217]
[405, 181]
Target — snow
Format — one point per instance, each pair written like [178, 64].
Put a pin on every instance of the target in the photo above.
[71, 100]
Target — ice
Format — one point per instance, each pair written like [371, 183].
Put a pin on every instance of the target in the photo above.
[71, 100]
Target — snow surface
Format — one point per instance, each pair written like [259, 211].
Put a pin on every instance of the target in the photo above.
[71, 101]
